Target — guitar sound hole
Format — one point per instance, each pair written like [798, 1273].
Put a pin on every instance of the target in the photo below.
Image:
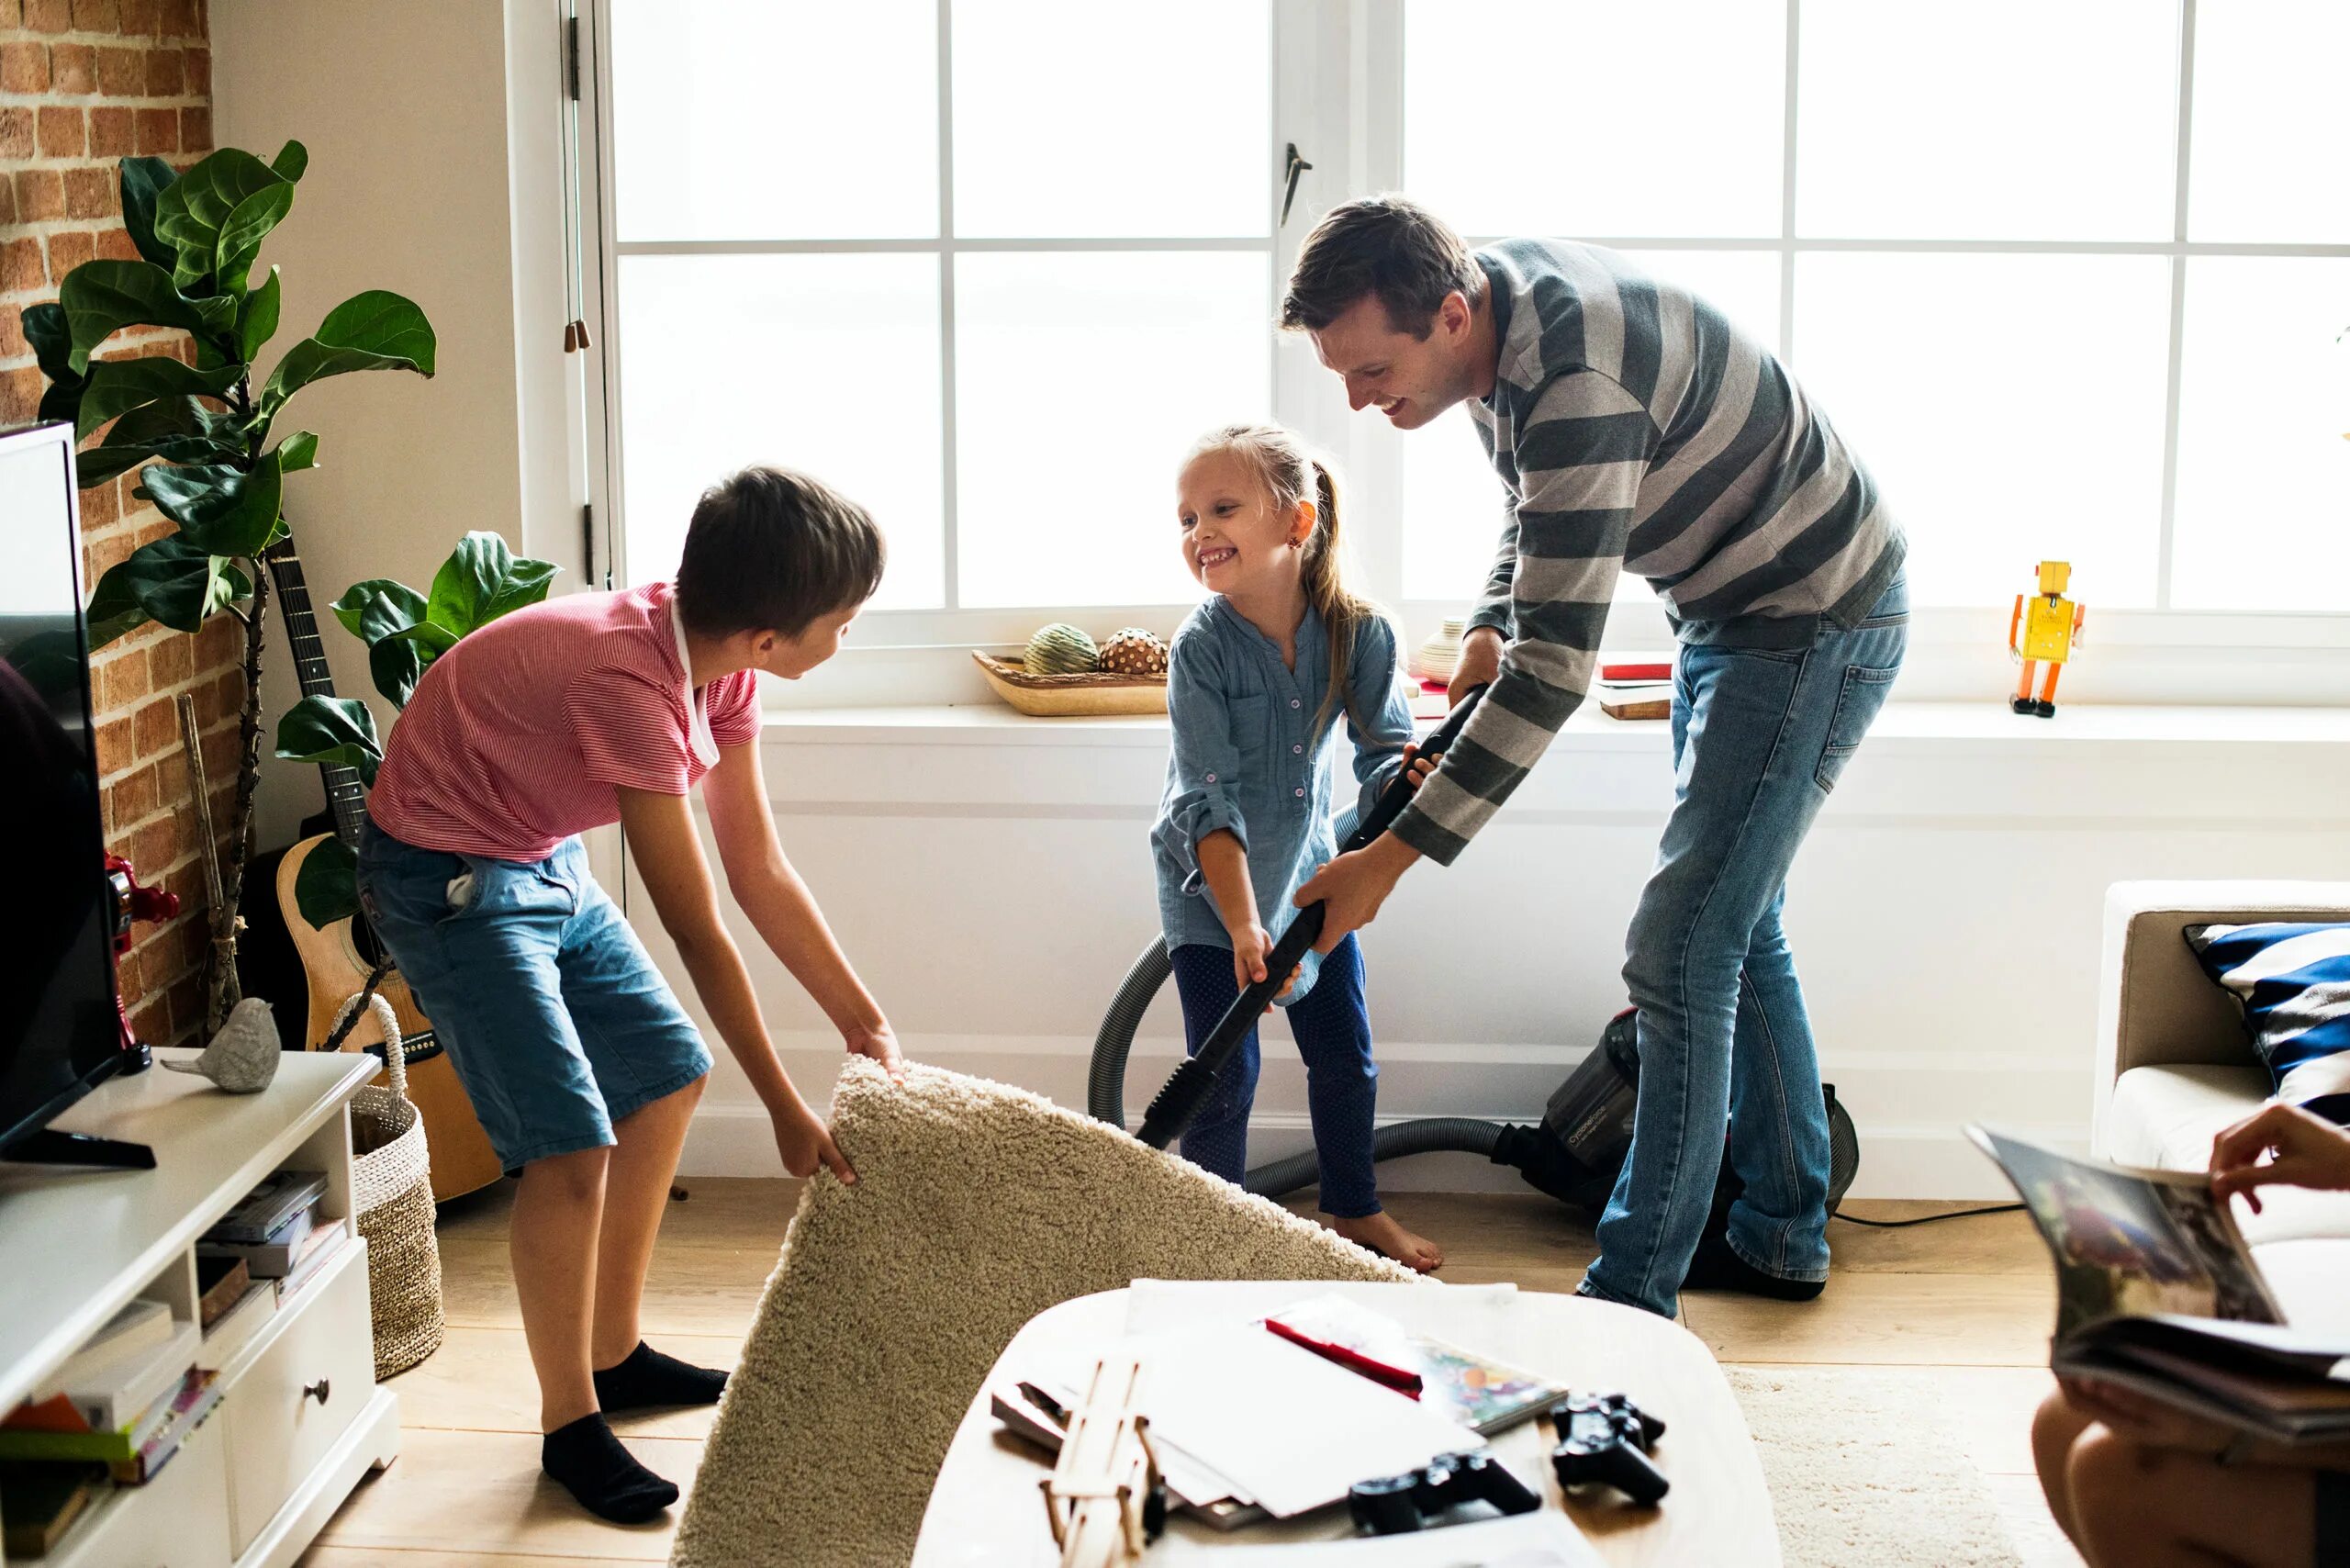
[364, 942]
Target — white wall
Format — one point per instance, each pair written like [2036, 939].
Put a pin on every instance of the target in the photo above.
[992, 883]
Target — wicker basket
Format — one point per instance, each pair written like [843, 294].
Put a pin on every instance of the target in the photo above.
[391, 1193]
[1071, 696]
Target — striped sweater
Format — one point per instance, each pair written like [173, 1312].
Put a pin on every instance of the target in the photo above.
[1635, 430]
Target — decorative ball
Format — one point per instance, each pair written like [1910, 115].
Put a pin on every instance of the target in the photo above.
[1062, 649]
[1132, 651]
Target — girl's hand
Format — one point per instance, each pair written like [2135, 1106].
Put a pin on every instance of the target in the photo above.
[1417, 768]
[2143, 1420]
[2307, 1150]
[876, 1041]
[1251, 946]
[806, 1145]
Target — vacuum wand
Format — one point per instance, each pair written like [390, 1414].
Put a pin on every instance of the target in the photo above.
[1188, 1087]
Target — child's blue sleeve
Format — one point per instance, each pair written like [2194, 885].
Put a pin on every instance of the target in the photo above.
[1202, 789]
[1379, 720]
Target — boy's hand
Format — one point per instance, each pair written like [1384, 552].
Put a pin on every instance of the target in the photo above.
[1251, 946]
[2308, 1152]
[878, 1042]
[2144, 1420]
[1417, 768]
[806, 1145]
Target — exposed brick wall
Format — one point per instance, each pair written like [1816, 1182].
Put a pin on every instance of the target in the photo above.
[82, 82]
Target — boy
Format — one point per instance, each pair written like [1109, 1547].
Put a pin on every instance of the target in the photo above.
[562, 717]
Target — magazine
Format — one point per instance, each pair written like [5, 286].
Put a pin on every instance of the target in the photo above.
[2155, 1291]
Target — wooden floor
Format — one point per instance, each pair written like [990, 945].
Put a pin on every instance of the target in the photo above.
[1969, 1302]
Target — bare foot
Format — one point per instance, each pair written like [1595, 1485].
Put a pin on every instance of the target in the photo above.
[1382, 1235]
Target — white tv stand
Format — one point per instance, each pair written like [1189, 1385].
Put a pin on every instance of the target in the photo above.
[301, 1419]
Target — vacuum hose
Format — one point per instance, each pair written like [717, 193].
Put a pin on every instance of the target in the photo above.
[1106, 1096]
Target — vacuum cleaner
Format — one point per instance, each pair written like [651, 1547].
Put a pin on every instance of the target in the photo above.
[1574, 1153]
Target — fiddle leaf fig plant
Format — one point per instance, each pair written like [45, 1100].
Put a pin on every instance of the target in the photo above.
[197, 422]
[404, 631]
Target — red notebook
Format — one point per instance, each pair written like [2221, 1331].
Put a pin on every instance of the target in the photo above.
[1637, 671]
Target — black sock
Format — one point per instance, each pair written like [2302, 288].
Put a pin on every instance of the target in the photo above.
[646, 1377]
[604, 1476]
[1716, 1268]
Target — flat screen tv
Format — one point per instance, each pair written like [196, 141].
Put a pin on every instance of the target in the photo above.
[59, 1033]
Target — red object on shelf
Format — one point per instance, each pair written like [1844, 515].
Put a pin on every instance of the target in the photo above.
[1637, 671]
[132, 903]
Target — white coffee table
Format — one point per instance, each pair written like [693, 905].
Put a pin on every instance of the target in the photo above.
[985, 1508]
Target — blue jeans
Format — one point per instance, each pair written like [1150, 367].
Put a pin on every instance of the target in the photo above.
[1759, 737]
[1333, 1030]
[552, 1014]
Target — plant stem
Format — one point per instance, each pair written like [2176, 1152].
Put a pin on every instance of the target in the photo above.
[249, 756]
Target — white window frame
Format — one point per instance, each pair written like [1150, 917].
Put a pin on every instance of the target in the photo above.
[1337, 93]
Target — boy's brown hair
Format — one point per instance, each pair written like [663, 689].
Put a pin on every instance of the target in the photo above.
[770, 548]
[1386, 246]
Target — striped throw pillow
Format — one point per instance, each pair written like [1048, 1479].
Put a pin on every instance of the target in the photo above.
[2292, 981]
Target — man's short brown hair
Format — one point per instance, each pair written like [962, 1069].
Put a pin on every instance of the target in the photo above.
[1385, 246]
[770, 549]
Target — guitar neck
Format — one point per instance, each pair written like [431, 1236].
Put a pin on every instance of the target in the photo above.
[345, 794]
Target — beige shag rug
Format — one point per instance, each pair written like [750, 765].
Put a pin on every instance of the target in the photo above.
[977, 1206]
[1861, 1473]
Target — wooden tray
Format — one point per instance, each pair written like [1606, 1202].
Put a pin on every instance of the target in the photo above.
[1072, 696]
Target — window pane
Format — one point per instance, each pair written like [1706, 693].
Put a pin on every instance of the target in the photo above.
[1073, 118]
[2000, 119]
[1452, 499]
[2010, 409]
[1080, 383]
[2271, 133]
[826, 364]
[775, 119]
[2263, 515]
[1576, 116]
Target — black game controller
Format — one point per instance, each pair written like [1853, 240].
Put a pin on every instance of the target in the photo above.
[1606, 1439]
[1396, 1504]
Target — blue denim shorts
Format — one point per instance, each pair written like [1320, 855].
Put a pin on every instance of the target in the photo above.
[556, 1021]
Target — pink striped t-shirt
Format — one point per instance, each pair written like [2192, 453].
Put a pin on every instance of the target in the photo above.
[517, 737]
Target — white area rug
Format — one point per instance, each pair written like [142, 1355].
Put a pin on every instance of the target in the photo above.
[1864, 1474]
[977, 1207]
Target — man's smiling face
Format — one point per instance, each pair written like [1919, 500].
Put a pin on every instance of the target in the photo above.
[1409, 379]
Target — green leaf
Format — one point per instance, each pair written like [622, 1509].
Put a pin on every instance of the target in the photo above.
[327, 887]
[434, 639]
[226, 510]
[257, 319]
[291, 159]
[144, 179]
[172, 581]
[52, 341]
[330, 730]
[192, 210]
[351, 608]
[396, 664]
[117, 386]
[177, 430]
[241, 232]
[374, 330]
[102, 297]
[481, 580]
[297, 451]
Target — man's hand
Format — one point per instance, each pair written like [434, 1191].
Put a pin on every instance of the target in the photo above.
[1481, 661]
[877, 1041]
[1352, 887]
[806, 1143]
[2308, 1152]
[1251, 946]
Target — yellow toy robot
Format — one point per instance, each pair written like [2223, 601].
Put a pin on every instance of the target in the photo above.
[2051, 626]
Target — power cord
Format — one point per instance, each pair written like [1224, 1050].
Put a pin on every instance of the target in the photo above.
[1927, 1219]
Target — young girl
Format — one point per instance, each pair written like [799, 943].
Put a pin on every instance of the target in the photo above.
[1261, 675]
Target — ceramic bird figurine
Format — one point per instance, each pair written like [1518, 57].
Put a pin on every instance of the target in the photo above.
[243, 1057]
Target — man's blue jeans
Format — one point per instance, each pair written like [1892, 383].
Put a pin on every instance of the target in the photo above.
[1759, 737]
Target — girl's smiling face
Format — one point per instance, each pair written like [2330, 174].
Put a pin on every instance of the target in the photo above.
[1236, 536]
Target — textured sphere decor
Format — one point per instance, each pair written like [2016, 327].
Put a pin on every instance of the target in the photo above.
[1062, 649]
[1132, 651]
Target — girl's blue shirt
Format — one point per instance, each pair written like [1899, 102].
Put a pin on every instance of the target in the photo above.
[1247, 759]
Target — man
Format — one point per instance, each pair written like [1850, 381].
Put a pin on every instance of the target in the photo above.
[1635, 430]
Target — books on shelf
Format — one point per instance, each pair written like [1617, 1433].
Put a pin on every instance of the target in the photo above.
[136, 1451]
[318, 1250]
[110, 1393]
[236, 1327]
[260, 1214]
[220, 1283]
[2156, 1291]
[273, 1254]
[139, 1323]
[39, 1503]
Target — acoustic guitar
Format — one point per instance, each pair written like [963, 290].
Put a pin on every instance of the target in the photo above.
[337, 958]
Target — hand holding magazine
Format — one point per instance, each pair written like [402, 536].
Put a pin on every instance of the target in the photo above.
[2157, 1293]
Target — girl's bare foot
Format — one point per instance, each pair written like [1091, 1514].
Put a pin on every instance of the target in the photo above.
[1382, 1235]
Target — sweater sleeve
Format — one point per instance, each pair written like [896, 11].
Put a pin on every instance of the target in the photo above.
[1581, 452]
